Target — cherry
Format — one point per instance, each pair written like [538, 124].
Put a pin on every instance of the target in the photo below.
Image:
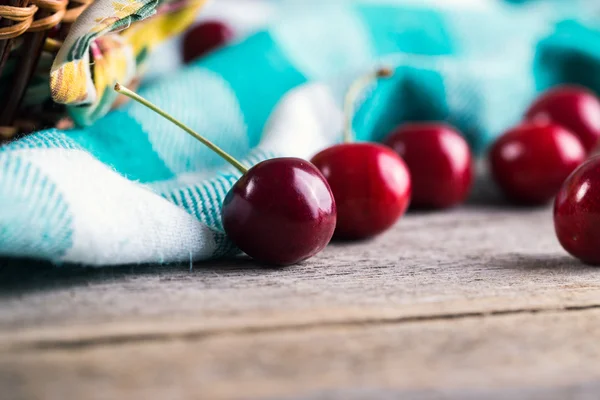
[439, 161]
[281, 211]
[203, 38]
[572, 107]
[370, 183]
[577, 213]
[531, 161]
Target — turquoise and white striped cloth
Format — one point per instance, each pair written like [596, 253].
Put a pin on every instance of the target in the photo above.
[134, 188]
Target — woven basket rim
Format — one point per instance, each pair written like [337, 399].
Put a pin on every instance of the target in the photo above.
[33, 17]
[26, 21]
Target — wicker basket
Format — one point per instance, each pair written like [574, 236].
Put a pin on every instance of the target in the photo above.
[30, 30]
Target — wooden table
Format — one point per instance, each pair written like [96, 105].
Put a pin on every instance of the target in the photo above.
[480, 302]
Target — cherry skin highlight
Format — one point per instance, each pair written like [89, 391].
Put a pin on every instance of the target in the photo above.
[574, 108]
[280, 212]
[439, 161]
[371, 186]
[205, 37]
[577, 213]
[531, 161]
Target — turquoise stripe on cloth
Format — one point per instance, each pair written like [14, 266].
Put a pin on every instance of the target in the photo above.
[134, 188]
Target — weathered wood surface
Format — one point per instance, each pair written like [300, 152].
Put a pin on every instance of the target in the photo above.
[480, 302]
[545, 355]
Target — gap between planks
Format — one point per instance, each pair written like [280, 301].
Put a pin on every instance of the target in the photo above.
[155, 330]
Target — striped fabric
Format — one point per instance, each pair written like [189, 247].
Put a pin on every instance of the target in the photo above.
[133, 188]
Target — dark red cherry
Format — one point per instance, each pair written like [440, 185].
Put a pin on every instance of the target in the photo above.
[531, 161]
[572, 107]
[370, 184]
[577, 213]
[280, 212]
[205, 37]
[439, 161]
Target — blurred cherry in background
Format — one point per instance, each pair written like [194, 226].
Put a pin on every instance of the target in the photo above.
[572, 107]
[204, 38]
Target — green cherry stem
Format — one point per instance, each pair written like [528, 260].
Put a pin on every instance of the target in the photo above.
[356, 88]
[124, 91]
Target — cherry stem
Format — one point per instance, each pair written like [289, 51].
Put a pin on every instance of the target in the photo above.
[124, 91]
[357, 87]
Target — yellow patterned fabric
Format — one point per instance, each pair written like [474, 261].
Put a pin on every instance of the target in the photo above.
[109, 42]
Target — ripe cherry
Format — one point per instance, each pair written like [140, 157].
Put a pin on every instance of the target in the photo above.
[531, 161]
[572, 107]
[577, 213]
[439, 161]
[281, 211]
[370, 183]
[203, 38]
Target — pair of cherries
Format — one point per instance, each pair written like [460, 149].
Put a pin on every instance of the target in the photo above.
[531, 161]
[426, 165]
[543, 156]
[285, 210]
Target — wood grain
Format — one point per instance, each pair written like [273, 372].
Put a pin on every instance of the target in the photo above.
[484, 355]
[467, 260]
[480, 302]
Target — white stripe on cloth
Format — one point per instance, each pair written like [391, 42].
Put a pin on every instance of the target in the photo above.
[117, 221]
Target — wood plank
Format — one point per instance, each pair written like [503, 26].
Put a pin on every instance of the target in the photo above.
[480, 302]
[471, 260]
[549, 355]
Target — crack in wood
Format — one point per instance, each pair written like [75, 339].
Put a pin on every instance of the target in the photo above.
[123, 339]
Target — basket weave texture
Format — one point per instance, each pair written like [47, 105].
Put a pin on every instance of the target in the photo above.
[55, 76]
[29, 28]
